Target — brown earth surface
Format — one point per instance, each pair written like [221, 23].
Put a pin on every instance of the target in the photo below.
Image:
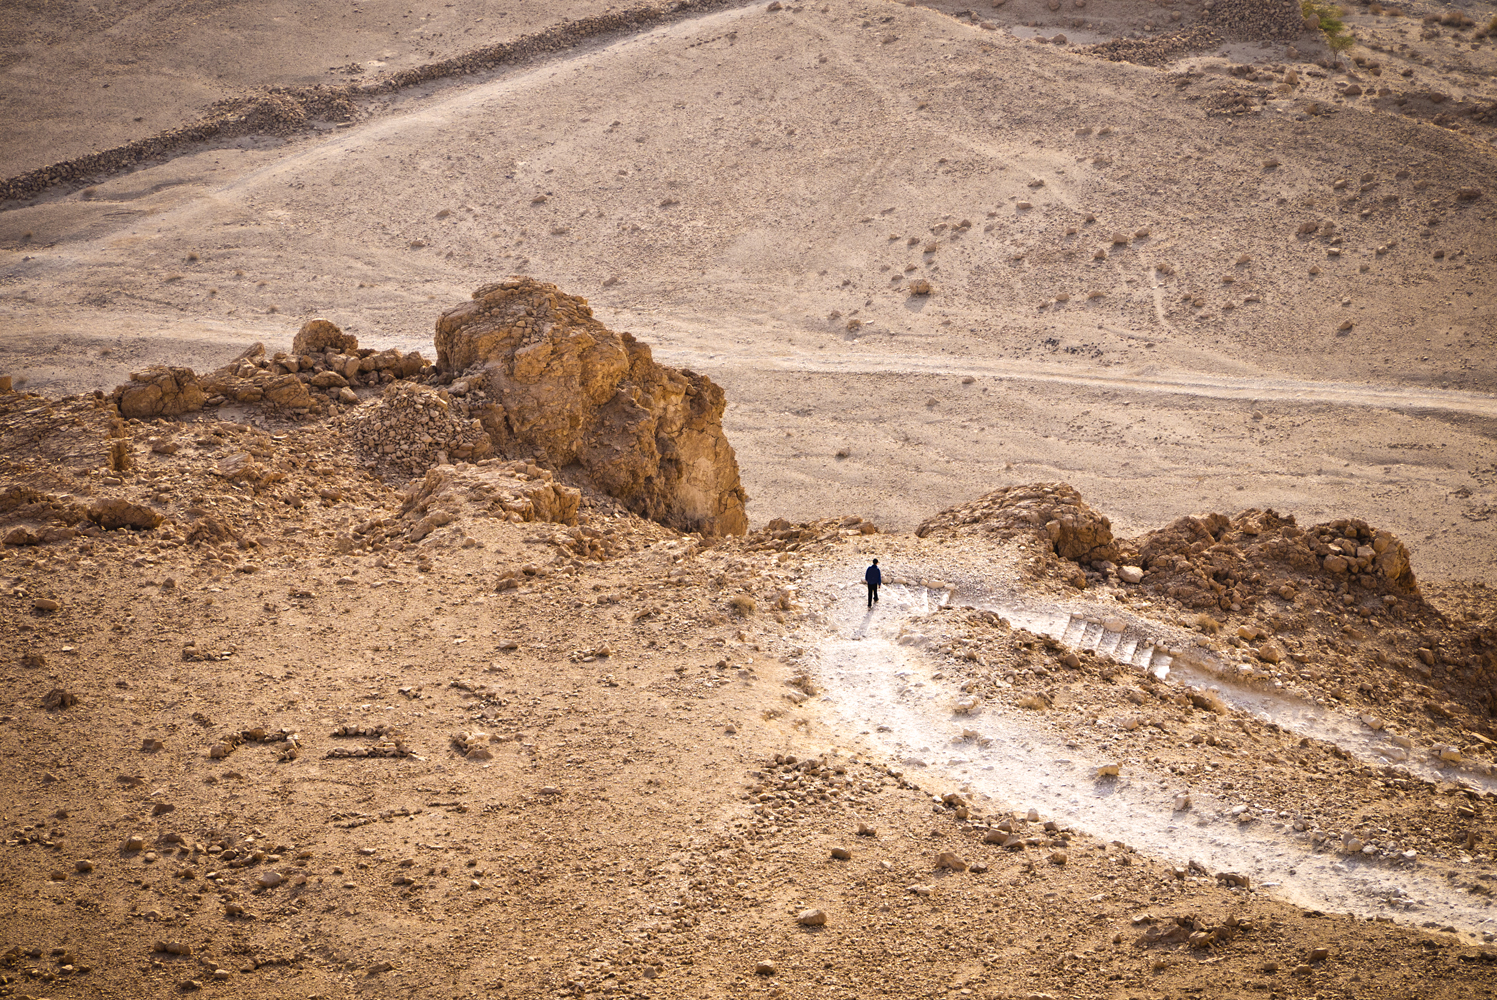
[593, 770]
[1163, 393]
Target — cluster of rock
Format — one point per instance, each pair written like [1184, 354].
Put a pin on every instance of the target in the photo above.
[1218, 20]
[40, 438]
[586, 542]
[781, 535]
[1213, 561]
[389, 742]
[1234, 100]
[785, 786]
[524, 371]
[569, 391]
[1052, 512]
[323, 365]
[1202, 562]
[413, 427]
[1197, 931]
[31, 517]
[285, 754]
[160, 391]
[471, 744]
[1258, 20]
[1159, 51]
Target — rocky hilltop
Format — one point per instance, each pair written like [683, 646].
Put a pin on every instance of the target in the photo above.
[523, 371]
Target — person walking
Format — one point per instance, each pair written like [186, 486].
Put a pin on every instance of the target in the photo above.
[873, 577]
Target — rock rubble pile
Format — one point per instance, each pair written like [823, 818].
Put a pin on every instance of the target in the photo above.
[1158, 51]
[780, 535]
[1213, 561]
[35, 517]
[1217, 21]
[1052, 512]
[1256, 20]
[324, 366]
[414, 427]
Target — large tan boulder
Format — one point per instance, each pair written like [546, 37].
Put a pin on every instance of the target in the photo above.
[160, 391]
[568, 389]
[116, 512]
[318, 335]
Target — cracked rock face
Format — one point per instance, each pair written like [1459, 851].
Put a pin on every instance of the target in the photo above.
[160, 391]
[570, 390]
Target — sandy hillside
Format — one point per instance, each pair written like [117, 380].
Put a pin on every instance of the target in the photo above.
[1163, 389]
[123, 71]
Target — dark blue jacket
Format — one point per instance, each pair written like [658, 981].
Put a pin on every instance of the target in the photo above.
[873, 576]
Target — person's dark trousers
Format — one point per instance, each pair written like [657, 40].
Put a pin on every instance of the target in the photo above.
[872, 594]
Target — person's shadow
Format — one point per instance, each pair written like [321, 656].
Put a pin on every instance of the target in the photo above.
[862, 629]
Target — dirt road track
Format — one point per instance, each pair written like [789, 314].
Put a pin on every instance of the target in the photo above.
[1182, 383]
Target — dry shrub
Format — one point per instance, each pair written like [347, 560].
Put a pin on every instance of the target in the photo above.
[1210, 701]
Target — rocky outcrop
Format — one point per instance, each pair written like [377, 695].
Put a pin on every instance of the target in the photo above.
[261, 387]
[544, 382]
[1052, 511]
[564, 388]
[160, 391]
[318, 336]
[325, 366]
[31, 517]
[1211, 560]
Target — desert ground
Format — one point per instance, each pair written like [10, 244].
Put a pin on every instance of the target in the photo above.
[305, 699]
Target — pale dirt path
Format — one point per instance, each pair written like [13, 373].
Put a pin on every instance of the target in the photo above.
[884, 692]
[1205, 385]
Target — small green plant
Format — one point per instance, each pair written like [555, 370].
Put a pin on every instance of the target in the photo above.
[1329, 16]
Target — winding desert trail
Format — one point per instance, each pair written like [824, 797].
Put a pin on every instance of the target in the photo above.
[886, 691]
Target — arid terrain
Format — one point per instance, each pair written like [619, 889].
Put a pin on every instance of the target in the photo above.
[440, 451]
